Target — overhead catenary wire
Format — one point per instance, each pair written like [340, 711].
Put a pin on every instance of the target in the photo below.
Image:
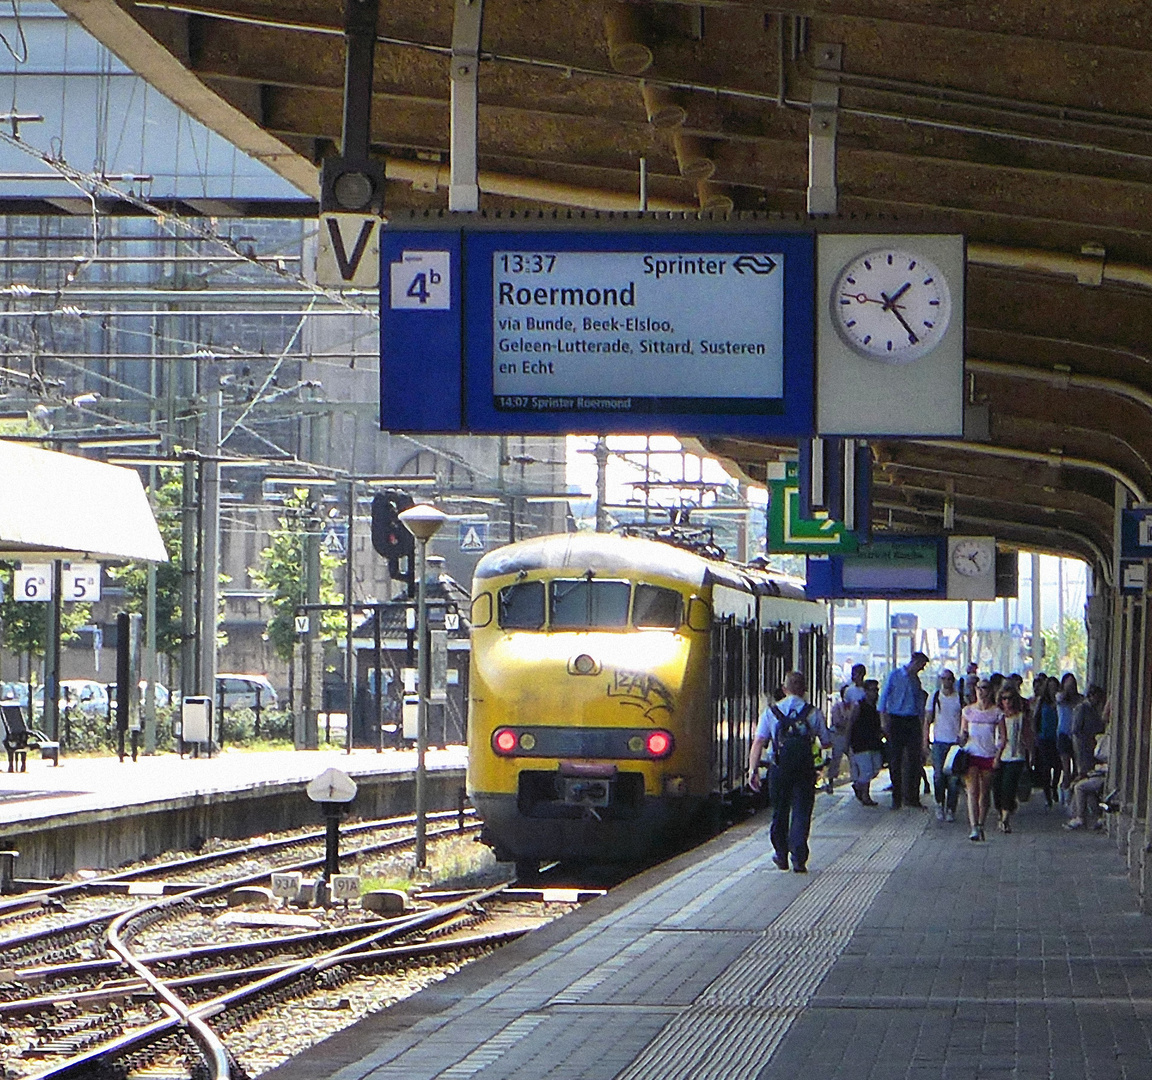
[168, 219]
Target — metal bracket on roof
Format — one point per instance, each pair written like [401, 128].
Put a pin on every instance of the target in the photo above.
[822, 196]
[464, 188]
[352, 182]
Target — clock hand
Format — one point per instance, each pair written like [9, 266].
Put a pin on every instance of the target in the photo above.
[861, 298]
[889, 305]
[890, 301]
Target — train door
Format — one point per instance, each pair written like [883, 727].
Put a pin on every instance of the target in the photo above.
[727, 701]
[737, 676]
[813, 662]
[775, 658]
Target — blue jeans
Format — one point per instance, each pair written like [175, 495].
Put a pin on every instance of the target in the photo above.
[944, 786]
[793, 797]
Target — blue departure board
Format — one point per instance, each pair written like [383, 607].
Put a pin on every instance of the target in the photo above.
[644, 330]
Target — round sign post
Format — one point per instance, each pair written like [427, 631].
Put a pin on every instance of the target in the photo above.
[423, 522]
[333, 790]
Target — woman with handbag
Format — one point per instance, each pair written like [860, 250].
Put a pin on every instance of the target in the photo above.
[982, 735]
[1045, 724]
[1014, 753]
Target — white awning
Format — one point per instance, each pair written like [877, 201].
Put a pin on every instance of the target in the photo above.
[61, 506]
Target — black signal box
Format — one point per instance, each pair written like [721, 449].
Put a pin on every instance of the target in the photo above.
[389, 536]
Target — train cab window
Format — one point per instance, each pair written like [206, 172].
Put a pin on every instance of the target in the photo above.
[584, 604]
[521, 606]
[657, 607]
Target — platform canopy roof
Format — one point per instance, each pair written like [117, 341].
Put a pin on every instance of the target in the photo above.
[1026, 126]
[58, 506]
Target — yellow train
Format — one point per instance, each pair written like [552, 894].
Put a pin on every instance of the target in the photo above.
[614, 690]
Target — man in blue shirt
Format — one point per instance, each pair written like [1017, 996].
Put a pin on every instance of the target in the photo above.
[902, 717]
[787, 727]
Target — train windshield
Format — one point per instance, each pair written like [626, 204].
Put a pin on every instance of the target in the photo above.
[585, 604]
[522, 606]
[657, 607]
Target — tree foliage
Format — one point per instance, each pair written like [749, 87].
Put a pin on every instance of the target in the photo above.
[167, 499]
[1075, 658]
[281, 572]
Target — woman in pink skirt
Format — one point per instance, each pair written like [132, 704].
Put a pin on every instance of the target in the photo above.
[982, 735]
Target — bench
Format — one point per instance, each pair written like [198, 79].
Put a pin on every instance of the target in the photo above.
[18, 737]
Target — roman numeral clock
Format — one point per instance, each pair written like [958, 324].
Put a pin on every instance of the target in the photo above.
[890, 334]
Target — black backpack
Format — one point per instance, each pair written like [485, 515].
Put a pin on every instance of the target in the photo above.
[792, 742]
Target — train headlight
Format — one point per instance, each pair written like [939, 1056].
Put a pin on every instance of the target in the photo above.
[583, 665]
[504, 740]
[527, 741]
[658, 744]
[636, 744]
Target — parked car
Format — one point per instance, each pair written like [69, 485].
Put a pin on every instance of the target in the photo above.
[240, 691]
[83, 695]
[162, 694]
[15, 691]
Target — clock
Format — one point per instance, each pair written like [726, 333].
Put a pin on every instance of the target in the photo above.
[972, 558]
[891, 304]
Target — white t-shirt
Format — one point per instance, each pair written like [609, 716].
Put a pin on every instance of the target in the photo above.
[946, 718]
[983, 731]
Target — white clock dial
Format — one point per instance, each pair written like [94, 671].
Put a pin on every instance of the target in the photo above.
[891, 305]
[971, 558]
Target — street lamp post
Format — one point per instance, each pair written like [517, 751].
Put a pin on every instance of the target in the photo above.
[423, 522]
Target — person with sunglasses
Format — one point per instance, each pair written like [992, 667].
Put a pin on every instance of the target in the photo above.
[982, 735]
[1014, 753]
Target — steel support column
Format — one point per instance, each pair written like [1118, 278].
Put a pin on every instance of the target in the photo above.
[464, 189]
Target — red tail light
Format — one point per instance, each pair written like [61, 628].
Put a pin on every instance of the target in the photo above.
[504, 740]
[658, 744]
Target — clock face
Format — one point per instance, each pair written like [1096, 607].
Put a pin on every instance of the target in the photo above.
[891, 305]
[971, 558]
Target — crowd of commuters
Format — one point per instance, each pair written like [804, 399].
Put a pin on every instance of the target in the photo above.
[1009, 744]
[980, 735]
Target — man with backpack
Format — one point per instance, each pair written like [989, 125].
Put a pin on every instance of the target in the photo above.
[787, 728]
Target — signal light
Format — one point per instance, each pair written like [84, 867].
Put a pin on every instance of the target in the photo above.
[389, 536]
[658, 744]
[504, 740]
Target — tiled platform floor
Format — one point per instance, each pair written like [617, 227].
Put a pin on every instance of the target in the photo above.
[908, 952]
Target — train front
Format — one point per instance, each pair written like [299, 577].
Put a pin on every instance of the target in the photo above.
[588, 738]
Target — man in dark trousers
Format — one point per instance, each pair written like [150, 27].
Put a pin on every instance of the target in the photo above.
[902, 717]
[787, 728]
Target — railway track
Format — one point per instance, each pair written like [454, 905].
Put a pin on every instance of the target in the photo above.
[95, 998]
[72, 939]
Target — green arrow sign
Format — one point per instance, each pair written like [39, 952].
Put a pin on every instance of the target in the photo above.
[789, 532]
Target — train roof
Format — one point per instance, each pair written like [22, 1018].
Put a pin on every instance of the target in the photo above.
[605, 553]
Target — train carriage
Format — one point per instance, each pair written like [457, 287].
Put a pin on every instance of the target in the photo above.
[614, 690]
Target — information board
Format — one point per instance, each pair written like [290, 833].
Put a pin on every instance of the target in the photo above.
[904, 567]
[542, 330]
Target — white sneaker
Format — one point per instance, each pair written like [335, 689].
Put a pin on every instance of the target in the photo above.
[950, 816]
[939, 813]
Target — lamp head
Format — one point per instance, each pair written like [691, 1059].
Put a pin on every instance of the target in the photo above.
[423, 521]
